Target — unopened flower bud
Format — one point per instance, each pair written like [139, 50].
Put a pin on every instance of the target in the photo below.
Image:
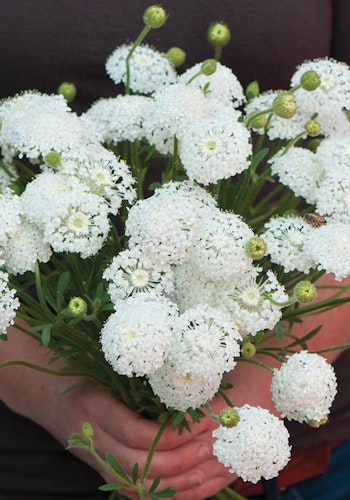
[229, 417]
[248, 350]
[154, 16]
[310, 80]
[258, 122]
[218, 34]
[256, 248]
[284, 105]
[208, 67]
[313, 128]
[68, 90]
[176, 56]
[317, 423]
[77, 306]
[305, 291]
[53, 159]
[87, 430]
[252, 90]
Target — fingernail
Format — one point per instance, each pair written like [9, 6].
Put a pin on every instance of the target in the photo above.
[195, 480]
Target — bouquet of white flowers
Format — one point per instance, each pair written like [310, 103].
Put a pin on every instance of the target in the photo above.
[156, 287]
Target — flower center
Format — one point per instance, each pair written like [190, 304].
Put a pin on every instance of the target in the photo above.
[139, 278]
[78, 223]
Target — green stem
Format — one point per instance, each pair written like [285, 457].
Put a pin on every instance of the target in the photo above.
[153, 448]
[136, 43]
[40, 292]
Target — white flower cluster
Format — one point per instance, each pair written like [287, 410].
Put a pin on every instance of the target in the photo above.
[9, 303]
[195, 115]
[304, 388]
[184, 248]
[66, 206]
[258, 446]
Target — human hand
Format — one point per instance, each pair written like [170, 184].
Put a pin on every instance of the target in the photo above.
[184, 462]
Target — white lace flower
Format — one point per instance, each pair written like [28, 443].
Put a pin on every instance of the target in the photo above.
[192, 287]
[9, 303]
[258, 446]
[215, 149]
[329, 246]
[208, 341]
[248, 305]
[164, 225]
[219, 248]
[149, 68]
[130, 272]
[104, 174]
[304, 387]
[333, 193]
[24, 248]
[34, 124]
[137, 337]
[118, 118]
[300, 170]
[223, 84]
[10, 215]
[180, 389]
[285, 240]
[173, 109]
[71, 218]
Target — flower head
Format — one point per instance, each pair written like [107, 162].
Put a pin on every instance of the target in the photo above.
[258, 446]
[304, 387]
[137, 337]
[9, 303]
[149, 68]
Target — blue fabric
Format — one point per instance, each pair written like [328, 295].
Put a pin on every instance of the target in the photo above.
[333, 485]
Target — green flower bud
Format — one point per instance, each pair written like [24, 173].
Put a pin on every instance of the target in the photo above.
[53, 159]
[258, 122]
[77, 306]
[256, 248]
[68, 90]
[154, 16]
[208, 67]
[176, 56]
[310, 80]
[229, 417]
[317, 423]
[87, 430]
[248, 350]
[313, 128]
[305, 291]
[252, 90]
[218, 34]
[284, 105]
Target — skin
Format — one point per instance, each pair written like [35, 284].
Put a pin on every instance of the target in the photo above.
[184, 462]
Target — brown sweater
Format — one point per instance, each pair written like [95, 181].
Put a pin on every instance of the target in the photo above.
[43, 43]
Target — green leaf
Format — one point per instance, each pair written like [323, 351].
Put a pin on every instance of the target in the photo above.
[155, 484]
[111, 487]
[113, 462]
[258, 158]
[167, 493]
[46, 335]
[49, 299]
[135, 472]
[61, 286]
